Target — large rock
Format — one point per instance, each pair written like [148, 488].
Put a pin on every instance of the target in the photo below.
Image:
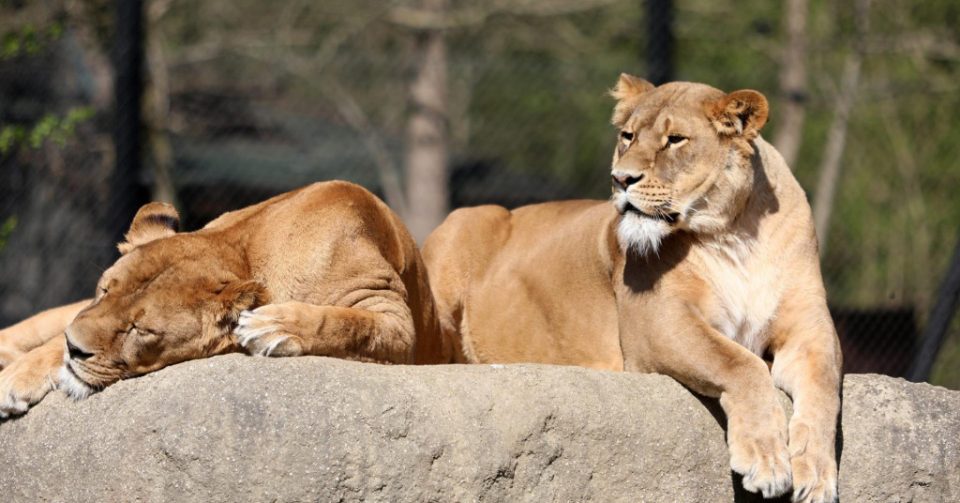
[314, 429]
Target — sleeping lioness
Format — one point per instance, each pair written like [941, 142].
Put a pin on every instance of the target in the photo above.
[705, 262]
[324, 270]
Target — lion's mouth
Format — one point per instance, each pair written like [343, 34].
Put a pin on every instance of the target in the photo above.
[665, 216]
[74, 385]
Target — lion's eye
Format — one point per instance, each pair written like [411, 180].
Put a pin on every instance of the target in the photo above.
[626, 135]
[676, 139]
[136, 331]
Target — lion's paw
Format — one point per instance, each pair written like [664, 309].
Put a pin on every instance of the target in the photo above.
[814, 469]
[764, 462]
[22, 385]
[266, 331]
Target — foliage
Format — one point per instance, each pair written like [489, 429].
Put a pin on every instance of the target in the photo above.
[29, 40]
[6, 229]
[29, 31]
[50, 127]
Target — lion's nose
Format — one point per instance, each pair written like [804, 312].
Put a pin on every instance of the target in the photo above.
[625, 180]
[75, 352]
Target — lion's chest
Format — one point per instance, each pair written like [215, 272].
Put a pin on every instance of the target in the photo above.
[744, 295]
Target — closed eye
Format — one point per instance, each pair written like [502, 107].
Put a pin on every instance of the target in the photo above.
[675, 140]
[135, 331]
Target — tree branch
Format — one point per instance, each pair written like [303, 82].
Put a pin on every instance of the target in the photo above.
[428, 19]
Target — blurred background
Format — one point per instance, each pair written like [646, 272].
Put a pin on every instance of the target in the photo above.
[436, 104]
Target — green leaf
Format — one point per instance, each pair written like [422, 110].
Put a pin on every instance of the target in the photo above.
[10, 136]
[6, 230]
[50, 127]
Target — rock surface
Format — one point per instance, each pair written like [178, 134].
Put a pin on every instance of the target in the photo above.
[238, 428]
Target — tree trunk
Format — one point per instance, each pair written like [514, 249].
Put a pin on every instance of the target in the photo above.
[427, 133]
[837, 135]
[156, 116]
[793, 81]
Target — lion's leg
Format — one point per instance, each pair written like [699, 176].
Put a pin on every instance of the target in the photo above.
[701, 358]
[806, 364]
[32, 332]
[296, 328]
[28, 379]
[482, 230]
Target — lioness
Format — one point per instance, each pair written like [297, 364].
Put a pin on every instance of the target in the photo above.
[705, 262]
[324, 270]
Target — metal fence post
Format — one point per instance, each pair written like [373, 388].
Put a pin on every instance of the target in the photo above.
[128, 89]
[939, 321]
[660, 41]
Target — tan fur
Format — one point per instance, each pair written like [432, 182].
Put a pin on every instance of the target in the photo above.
[325, 270]
[33, 332]
[722, 270]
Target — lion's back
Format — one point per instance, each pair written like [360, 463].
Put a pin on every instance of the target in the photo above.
[528, 285]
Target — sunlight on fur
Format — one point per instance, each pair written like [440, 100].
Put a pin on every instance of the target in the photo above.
[586, 284]
[641, 234]
[72, 386]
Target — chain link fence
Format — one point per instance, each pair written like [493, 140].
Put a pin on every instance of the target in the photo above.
[245, 99]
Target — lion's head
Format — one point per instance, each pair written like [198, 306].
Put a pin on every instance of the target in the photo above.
[169, 298]
[682, 159]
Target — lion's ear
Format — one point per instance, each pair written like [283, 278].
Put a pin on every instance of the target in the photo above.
[739, 113]
[152, 221]
[239, 296]
[627, 88]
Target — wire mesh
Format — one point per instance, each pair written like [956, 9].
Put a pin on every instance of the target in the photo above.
[246, 99]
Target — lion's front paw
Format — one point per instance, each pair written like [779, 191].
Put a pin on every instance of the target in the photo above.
[763, 461]
[23, 384]
[814, 468]
[268, 331]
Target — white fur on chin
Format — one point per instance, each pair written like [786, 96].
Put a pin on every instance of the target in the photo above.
[641, 234]
[72, 386]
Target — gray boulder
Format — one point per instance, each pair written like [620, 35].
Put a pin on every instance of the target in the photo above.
[239, 428]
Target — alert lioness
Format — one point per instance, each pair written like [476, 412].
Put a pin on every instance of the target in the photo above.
[324, 270]
[705, 261]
